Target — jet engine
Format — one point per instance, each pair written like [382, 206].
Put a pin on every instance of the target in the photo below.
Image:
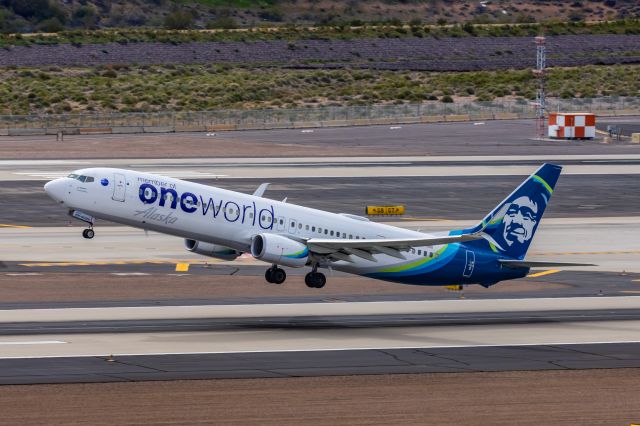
[279, 250]
[211, 250]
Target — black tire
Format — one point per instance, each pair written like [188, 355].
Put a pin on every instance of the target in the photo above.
[278, 276]
[308, 280]
[88, 233]
[268, 275]
[321, 280]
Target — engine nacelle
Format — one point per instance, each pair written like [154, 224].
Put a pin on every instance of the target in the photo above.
[211, 250]
[279, 250]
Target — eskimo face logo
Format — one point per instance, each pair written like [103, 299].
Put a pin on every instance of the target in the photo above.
[520, 220]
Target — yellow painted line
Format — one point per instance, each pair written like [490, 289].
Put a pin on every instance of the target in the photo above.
[182, 267]
[105, 263]
[8, 225]
[425, 219]
[543, 273]
[630, 291]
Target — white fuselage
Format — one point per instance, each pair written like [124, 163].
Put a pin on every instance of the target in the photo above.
[218, 216]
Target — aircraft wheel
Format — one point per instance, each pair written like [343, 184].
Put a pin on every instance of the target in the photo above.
[278, 276]
[267, 275]
[88, 233]
[315, 280]
[308, 280]
[321, 280]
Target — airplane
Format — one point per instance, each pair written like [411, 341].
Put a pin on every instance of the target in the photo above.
[224, 224]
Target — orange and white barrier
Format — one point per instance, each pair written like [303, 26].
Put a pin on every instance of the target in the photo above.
[572, 125]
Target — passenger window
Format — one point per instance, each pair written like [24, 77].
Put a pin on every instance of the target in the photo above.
[313, 229]
[332, 233]
[281, 222]
[326, 231]
[420, 252]
[320, 230]
[307, 227]
[262, 218]
[299, 226]
[250, 215]
[350, 237]
[357, 237]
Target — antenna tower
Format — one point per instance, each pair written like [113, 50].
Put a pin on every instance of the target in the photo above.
[539, 73]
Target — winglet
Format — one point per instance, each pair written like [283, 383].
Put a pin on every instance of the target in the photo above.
[259, 192]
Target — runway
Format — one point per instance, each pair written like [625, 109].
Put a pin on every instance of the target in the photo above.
[610, 243]
[115, 309]
[116, 344]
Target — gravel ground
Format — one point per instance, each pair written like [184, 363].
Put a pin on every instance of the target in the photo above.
[586, 397]
[100, 287]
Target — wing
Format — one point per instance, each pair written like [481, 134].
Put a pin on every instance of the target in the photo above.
[342, 249]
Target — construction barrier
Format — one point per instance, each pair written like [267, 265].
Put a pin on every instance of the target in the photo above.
[572, 125]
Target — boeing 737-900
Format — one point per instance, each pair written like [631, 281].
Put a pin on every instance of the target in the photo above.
[224, 224]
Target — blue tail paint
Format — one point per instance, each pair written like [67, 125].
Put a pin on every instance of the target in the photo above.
[510, 227]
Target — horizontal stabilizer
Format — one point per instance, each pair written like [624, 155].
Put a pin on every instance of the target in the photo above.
[537, 264]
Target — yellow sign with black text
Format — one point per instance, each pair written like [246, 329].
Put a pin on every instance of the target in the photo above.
[385, 210]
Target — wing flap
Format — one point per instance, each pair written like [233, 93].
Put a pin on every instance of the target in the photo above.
[537, 264]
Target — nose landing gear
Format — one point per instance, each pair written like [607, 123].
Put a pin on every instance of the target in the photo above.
[88, 233]
[90, 220]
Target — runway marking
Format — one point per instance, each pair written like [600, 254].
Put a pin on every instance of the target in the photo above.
[424, 219]
[630, 291]
[565, 253]
[182, 267]
[543, 273]
[8, 225]
[34, 342]
[125, 274]
[363, 348]
[106, 263]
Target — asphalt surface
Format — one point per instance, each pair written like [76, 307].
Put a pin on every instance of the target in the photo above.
[320, 363]
[462, 197]
[590, 195]
[155, 285]
[492, 137]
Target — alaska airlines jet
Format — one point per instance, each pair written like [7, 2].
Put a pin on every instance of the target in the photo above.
[224, 224]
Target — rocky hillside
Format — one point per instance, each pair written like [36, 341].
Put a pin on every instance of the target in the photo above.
[56, 15]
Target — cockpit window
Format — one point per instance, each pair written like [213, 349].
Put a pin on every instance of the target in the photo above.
[81, 178]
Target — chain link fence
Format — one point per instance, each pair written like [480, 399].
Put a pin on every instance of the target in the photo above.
[305, 117]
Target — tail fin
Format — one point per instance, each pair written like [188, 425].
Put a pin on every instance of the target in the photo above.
[510, 227]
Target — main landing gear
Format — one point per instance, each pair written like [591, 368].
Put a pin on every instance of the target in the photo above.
[88, 233]
[275, 275]
[315, 279]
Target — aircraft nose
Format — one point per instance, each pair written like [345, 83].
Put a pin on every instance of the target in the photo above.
[55, 189]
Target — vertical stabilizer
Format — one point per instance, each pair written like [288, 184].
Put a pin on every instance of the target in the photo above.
[510, 227]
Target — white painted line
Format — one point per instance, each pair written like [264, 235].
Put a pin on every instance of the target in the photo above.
[34, 342]
[126, 274]
[395, 127]
[306, 131]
